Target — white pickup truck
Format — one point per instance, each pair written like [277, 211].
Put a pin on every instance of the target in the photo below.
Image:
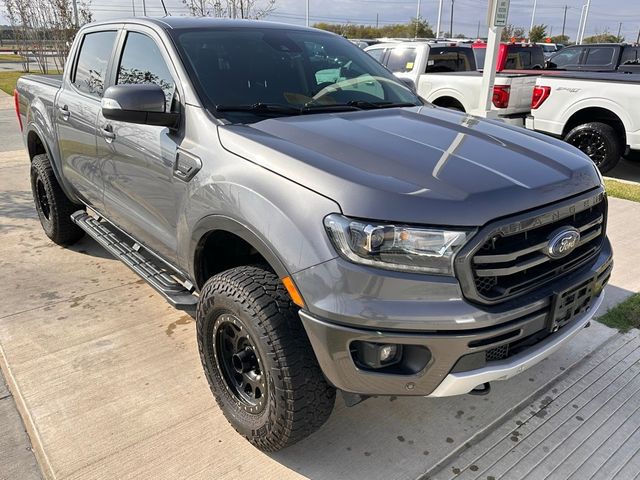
[447, 76]
[595, 112]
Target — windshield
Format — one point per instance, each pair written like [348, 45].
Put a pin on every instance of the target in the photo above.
[236, 68]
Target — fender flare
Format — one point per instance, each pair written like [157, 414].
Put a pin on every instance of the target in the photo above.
[223, 223]
[35, 128]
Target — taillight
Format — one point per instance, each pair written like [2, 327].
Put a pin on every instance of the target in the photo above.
[16, 103]
[501, 95]
[540, 95]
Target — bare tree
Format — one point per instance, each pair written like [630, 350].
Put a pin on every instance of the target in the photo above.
[44, 29]
[254, 9]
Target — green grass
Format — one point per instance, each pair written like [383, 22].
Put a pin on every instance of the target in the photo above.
[9, 57]
[628, 191]
[625, 316]
[8, 80]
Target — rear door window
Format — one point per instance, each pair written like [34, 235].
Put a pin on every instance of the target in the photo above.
[401, 59]
[600, 56]
[91, 68]
[630, 56]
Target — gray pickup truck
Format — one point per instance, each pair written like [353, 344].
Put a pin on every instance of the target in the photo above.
[333, 231]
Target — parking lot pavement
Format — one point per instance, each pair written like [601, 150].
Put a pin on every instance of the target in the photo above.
[586, 425]
[108, 380]
[626, 170]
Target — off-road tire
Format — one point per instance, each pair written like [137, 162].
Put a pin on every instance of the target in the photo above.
[55, 215]
[586, 137]
[298, 400]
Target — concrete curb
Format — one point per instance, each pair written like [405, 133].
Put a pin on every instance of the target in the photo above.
[34, 436]
[629, 182]
[489, 428]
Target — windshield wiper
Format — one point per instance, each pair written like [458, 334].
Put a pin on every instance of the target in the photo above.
[364, 104]
[260, 108]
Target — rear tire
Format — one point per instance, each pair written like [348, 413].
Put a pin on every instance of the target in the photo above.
[53, 206]
[598, 141]
[258, 360]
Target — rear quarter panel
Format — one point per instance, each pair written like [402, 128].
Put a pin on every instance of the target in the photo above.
[569, 97]
[38, 109]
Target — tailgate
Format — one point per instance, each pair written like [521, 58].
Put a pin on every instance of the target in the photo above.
[521, 93]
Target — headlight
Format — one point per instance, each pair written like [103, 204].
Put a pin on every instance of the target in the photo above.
[396, 247]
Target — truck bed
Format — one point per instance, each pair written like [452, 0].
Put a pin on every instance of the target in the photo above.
[618, 77]
[51, 80]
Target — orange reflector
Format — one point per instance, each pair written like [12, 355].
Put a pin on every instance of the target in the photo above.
[293, 291]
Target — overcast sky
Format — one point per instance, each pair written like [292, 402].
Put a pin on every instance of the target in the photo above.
[604, 15]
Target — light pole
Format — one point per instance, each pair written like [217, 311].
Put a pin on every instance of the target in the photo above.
[438, 29]
[417, 19]
[451, 27]
[586, 17]
[533, 16]
[578, 41]
[307, 13]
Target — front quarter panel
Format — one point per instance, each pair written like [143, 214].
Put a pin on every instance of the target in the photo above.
[285, 217]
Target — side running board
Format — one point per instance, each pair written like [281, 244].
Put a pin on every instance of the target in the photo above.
[159, 278]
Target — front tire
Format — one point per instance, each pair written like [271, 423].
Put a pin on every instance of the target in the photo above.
[598, 141]
[258, 360]
[53, 206]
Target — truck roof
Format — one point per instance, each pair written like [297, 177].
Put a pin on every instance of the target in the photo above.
[178, 23]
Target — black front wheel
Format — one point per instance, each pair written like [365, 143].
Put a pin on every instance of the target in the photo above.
[258, 360]
[599, 141]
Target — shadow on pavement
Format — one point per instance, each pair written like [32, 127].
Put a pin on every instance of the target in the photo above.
[626, 170]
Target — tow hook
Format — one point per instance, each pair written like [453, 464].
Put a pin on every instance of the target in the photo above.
[483, 389]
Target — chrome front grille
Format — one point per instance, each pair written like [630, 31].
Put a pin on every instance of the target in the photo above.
[509, 257]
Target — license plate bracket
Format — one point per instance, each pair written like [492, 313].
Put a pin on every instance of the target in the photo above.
[571, 303]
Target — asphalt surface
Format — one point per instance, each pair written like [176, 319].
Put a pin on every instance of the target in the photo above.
[107, 377]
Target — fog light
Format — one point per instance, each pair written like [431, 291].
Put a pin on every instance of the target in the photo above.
[388, 352]
[376, 355]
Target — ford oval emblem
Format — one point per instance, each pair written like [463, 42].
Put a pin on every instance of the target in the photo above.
[562, 242]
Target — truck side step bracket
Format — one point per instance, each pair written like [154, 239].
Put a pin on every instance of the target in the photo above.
[158, 278]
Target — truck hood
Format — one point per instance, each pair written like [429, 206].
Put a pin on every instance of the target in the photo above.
[420, 165]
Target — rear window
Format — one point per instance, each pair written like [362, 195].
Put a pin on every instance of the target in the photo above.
[450, 59]
[401, 59]
[91, 68]
[524, 58]
[600, 56]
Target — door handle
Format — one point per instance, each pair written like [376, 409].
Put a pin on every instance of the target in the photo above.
[64, 112]
[107, 133]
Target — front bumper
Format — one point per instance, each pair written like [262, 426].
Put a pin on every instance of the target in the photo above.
[463, 382]
[453, 367]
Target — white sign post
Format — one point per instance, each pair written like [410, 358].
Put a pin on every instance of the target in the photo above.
[497, 18]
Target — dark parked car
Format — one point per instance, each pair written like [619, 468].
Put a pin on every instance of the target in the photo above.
[605, 57]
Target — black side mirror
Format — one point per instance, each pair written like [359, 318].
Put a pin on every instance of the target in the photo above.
[138, 103]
